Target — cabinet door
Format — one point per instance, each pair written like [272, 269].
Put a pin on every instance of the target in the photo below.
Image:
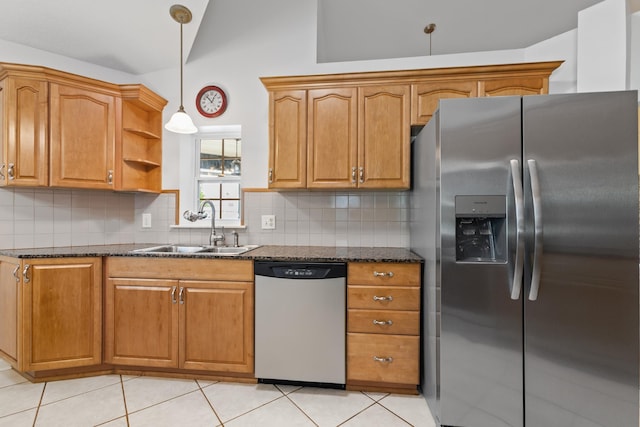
[425, 97]
[383, 137]
[62, 308]
[9, 309]
[216, 326]
[24, 139]
[141, 322]
[332, 138]
[83, 125]
[513, 86]
[288, 139]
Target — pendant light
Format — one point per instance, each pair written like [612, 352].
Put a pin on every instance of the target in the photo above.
[180, 121]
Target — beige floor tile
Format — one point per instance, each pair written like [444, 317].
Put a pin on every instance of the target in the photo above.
[279, 413]
[328, 407]
[375, 416]
[88, 409]
[375, 396]
[205, 383]
[143, 392]
[190, 410]
[286, 389]
[412, 409]
[4, 365]
[20, 397]
[118, 422]
[58, 390]
[231, 400]
[21, 419]
[10, 377]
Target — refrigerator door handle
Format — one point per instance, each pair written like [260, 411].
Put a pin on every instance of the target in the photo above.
[519, 259]
[537, 233]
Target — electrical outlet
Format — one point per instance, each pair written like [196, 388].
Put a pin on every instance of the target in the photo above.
[146, 220]
[268, 222]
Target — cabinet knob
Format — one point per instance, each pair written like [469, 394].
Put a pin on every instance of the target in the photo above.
[387, 298]
[2, 168]
[270, 175]
[361, 174]
[109, 177]
[15, 273]
[383, 322]
[383, 274]
[181, 296]
[11, 171]
[383, 359]
[353, 175]
[173, 295]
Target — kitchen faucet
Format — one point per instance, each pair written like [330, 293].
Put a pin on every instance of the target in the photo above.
[214, 238]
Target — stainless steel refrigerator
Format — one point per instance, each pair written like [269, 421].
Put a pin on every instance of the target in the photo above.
[526, 212]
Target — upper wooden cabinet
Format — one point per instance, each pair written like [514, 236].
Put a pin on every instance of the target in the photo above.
[353, 130]
[64, 130]
[287, 139]
[24, 131]
[82, 137]
[139, 151]
[332, 142]
[384, 137]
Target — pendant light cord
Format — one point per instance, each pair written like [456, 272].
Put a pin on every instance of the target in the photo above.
[181, 79]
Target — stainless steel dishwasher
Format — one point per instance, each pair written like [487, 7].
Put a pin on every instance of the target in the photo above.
[300, 311]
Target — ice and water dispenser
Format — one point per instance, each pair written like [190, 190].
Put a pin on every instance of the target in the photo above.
[481, 229]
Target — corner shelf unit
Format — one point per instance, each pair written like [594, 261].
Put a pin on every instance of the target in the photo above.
[140, 148]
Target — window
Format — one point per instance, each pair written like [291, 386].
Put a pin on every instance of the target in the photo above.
[218, 173]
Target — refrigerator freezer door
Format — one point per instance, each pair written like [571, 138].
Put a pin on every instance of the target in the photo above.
[581, 330]
[481, 327]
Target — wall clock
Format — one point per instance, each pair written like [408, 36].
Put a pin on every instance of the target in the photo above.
[211, 101]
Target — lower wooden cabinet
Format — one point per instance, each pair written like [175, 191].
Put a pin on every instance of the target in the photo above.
[53, 317]
[162, 321]
[383, 326]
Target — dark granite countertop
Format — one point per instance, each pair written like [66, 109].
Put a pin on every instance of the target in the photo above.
[262, 253]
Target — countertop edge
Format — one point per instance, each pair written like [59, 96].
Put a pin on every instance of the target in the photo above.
[262, 253]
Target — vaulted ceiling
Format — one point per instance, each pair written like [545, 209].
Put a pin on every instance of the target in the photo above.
[139, 36]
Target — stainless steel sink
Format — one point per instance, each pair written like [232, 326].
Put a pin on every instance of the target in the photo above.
[195, 249]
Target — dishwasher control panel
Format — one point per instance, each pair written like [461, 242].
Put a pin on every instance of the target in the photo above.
[285, 270]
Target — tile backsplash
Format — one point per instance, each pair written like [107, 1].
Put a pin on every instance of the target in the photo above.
[54, 217]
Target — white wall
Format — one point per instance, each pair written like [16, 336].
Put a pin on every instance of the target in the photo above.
[603, 47]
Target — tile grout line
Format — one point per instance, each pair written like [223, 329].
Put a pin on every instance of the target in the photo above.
[210, 404]
[35, 418]
[299, 408]
[124, 400]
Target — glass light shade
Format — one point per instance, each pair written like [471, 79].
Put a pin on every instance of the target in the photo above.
[181, 123]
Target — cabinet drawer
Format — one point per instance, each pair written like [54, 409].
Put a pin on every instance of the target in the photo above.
[383, 298]
[383, 358]
[384, 322]
[383, 273]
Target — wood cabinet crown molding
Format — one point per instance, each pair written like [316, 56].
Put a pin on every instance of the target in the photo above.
[409, 76]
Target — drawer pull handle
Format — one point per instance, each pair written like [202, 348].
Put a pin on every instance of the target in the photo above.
[387, 298]
[383, 359]
[173, 295]
[383, 322]
[382, 274]
[15, 273]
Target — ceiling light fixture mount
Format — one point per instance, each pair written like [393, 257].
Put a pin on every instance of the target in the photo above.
[430, 28]
[180, 122]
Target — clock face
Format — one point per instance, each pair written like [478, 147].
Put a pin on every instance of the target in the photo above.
[211, 101]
